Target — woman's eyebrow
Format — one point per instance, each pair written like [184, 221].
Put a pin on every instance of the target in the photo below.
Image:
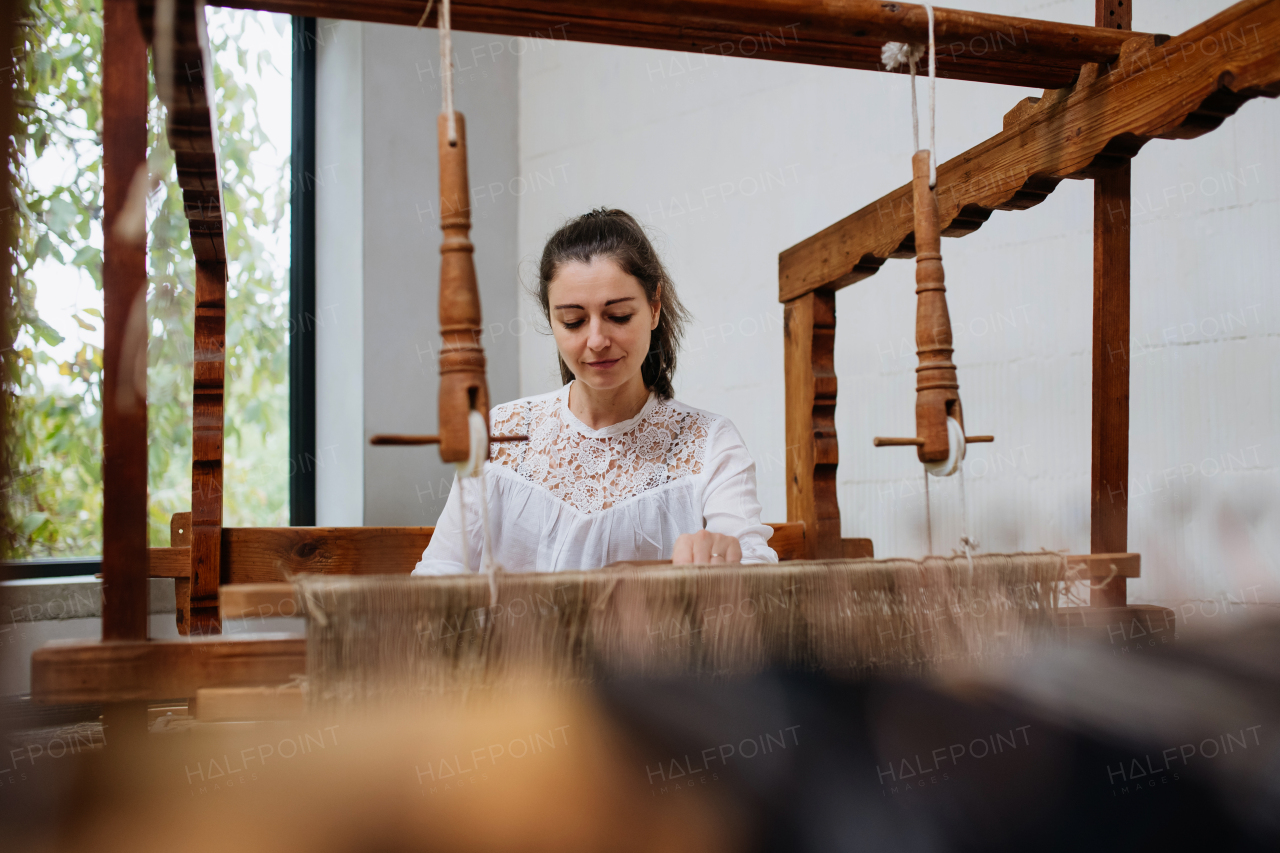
[607, 304]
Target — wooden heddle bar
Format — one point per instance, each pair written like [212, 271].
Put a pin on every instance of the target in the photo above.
[1180, 89]
[843, 34]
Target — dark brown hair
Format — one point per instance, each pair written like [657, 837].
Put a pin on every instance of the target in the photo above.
[616, 235]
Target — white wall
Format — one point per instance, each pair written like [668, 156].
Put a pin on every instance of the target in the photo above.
[732, 160]
[378, 256]
[339, 323]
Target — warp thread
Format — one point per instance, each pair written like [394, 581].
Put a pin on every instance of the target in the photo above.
[387, 637]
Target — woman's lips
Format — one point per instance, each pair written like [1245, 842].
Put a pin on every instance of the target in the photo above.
[603, 365]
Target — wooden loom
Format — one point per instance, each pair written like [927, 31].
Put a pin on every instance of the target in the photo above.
[1108, 91]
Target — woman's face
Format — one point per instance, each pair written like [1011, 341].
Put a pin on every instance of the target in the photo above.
[602, 322]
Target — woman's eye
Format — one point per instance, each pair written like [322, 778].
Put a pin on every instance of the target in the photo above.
[622, 318]
[571, 324]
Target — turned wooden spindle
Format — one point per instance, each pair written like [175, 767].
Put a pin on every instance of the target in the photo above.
[462, 379]
[937, 389]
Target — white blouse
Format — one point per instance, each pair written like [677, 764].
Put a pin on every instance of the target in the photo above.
[572, 497]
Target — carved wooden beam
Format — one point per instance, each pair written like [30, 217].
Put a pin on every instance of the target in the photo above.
[813, 452]
[840, 33]
[184, 81]
[1180, 89]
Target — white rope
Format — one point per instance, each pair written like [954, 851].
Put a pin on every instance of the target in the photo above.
[968, 542]
[462, 509]
[928, 514]
[895, 54]
[446, 67]
[473, 469]
[427, 11]
[933, 102]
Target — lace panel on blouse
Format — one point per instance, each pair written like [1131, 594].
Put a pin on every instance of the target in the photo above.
[592, 474]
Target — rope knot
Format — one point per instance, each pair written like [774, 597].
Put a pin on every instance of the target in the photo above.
[896, 54]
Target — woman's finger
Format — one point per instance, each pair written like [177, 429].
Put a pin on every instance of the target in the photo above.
[682, 554]
[733, 553]
[702, 548]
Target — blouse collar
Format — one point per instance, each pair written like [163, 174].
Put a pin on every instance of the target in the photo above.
[604, 432]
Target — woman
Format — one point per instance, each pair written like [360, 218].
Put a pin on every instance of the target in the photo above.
[614, 468]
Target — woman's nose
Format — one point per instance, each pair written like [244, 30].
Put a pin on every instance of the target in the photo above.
[596, 338]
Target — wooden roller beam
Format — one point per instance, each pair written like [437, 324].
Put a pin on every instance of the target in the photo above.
[1180, 89]
[243, 704]
[69, 671]
[840, 33]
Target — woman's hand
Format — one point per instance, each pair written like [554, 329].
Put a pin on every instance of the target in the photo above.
[706, 547]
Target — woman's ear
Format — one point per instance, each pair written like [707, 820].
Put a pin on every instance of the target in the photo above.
[656, 307]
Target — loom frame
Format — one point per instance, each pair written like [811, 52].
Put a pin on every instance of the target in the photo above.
[126, 666]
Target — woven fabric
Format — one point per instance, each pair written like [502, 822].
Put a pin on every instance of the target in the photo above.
[380, 636]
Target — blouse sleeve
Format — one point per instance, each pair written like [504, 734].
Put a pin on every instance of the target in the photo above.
[444, 555]
[729, 504]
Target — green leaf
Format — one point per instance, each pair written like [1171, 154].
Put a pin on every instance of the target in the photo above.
[83, 324]
[87, 256]
[94, 312]
[42, 331]
[62, 215]
[32, 522]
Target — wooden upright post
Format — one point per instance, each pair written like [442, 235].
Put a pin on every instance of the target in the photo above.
[124, 285]
[1109, 505]
[809, 328]
[206, 446]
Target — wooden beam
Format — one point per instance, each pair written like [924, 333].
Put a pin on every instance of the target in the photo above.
[124, 285]
[184, 82]
[1098, 567]
[788, 540]
[809, 331]
[185, 85]
[268, 554]
[259, 600]
[244, 704]
[206, 446]
[1116, 627]
[263, 555]
[69, 671]
[1180, 89]
[840, 33]
[1109, 471]
[179, 539]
